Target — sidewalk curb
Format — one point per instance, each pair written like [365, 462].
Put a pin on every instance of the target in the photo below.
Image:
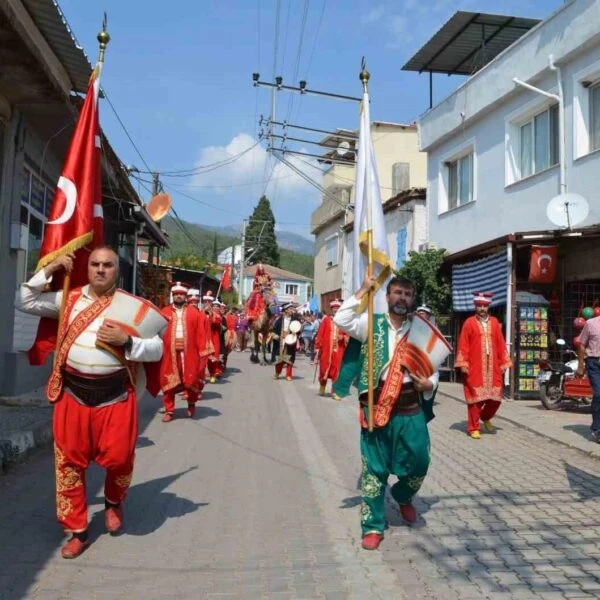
[456, 398]
[15, 447]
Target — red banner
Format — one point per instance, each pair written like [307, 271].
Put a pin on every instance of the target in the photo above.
[542, 268]
[76, 223]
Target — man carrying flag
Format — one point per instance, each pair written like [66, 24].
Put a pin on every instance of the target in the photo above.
[93, 388]
[393, 403]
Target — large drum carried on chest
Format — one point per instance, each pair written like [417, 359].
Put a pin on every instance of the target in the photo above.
[425, 348]
[136, 316]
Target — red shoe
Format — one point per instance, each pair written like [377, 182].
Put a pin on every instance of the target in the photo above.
[113, 518]
[191, 410]
[408, 512]
[168, 417]
[371, 541]
[74, 548]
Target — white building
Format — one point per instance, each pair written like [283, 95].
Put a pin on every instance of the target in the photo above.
[494, 157]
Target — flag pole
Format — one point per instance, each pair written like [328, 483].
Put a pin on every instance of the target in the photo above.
[364, 77]
[103, 39]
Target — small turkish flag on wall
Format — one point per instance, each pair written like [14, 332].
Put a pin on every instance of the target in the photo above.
[542, 268]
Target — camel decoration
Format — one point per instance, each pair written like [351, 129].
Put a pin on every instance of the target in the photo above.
[259, 310]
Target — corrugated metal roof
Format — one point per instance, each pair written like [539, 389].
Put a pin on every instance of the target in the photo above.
[54, 27]
[467, 42]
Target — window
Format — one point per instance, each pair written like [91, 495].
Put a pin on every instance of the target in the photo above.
[460, 181]
[291, 289]
[36, 200]
[331, 250]
[594, 117]
[539, 142]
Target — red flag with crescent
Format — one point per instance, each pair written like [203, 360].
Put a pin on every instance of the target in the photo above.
[542, 268]
[76, 222]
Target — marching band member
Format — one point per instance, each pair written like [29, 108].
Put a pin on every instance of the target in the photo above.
[93, 389]
[285, 329]
[399, 443]
[331, 343]
[184, 356]
[215, 364]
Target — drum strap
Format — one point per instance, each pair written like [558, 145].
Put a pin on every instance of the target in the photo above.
[392, 387]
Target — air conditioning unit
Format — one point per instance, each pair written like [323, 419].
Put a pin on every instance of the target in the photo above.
[428, 246]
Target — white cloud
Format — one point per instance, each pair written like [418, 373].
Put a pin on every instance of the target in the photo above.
[374, 15]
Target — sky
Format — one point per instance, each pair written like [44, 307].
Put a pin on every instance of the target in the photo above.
[179, 76]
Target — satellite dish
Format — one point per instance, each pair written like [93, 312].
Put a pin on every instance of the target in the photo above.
[343, 148]
[567, 210]
[158, 206]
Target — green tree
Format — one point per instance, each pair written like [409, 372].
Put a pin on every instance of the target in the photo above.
[215, 250]
[424, 269]
[260, 234]
[186, 261]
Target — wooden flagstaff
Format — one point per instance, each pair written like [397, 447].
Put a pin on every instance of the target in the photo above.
[103, 39]
[364, 77]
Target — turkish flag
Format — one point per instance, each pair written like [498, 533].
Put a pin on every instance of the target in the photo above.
[76, 222]
[226, 279]
[542, 268]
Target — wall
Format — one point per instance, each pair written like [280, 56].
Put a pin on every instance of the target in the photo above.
[502, 207]
[327, 278]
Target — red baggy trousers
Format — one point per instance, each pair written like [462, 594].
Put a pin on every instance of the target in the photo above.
[103, 434]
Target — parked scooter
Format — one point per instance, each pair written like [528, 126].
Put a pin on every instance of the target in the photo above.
[559, 385]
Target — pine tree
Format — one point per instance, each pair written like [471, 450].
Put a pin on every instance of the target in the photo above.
[215, 250]
[260, 235]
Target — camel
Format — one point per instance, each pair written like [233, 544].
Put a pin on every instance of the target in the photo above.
[260, 329]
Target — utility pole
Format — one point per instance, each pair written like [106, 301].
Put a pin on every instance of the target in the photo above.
[242, 260]
[155, 191]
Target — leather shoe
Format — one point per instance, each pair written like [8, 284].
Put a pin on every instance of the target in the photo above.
[74, 548]
[191, 411]
[408, 512]
[371, 541]
[167, 417]
[113, 518]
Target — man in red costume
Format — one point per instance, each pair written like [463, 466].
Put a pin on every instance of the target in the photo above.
[231, 320]
[93, 389]
[482, 358]
[215, 364]
[185, 351]
[330, 344]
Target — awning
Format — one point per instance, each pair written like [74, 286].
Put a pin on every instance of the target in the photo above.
[488, 274]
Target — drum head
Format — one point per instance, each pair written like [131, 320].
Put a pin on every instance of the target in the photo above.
[295, 326]
[290, 339]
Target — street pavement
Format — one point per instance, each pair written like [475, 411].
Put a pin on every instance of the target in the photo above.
[257, 497]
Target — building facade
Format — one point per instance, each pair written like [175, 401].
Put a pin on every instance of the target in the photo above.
[499, 152]
[41, 66]
[400, 166]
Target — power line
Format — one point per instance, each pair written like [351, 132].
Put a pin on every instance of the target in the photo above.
[126, 132]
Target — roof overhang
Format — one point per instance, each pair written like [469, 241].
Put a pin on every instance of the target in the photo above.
[467, 42]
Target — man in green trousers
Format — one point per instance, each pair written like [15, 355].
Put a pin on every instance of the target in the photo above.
[399, 442]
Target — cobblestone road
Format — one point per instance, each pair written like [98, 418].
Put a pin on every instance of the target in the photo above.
[257, 498]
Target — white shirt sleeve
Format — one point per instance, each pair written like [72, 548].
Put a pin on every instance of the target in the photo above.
[348, 320]
[435, 379]
[145, 350]
[33, 300]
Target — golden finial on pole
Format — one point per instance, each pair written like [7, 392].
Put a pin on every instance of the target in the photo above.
[103, 39]
[364, 75]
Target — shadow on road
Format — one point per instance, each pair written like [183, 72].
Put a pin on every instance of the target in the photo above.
[29, 534]
[148, 506]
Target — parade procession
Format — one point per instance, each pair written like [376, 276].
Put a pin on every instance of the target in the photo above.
[284, 320]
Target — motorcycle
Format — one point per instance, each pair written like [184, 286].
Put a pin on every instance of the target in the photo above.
[559, 385]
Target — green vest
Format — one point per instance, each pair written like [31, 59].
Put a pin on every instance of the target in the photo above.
[354, 369]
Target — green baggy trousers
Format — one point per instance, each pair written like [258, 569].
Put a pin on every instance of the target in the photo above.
[399, 448]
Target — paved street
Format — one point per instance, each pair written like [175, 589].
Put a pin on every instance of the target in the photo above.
[257, 498]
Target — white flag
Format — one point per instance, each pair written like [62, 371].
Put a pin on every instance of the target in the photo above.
[368, 214]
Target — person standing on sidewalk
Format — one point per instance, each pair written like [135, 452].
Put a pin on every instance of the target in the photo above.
[331, 343]
[92, 388]
[399, 443]
[589, 360]
[482, 358]
[184, 356]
